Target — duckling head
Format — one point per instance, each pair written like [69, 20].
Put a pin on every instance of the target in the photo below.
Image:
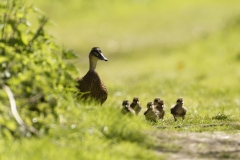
[125, 103]
[149, 105]
[136, 100]
[95, 55]
[161, 102]
[180, 101]
[156, 100]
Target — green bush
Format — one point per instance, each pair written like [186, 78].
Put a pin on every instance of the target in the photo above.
[33, 67]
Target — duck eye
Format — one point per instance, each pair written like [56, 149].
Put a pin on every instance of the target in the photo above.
[96, 54]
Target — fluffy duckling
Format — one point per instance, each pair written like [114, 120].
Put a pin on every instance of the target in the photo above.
[178, 110]
[155, 101]
[135, 105]
[151, 114]
[126, 108]
[90, 86]
[161, 109]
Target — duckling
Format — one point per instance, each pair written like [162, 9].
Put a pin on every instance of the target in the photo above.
[161, 109]
[178, 110]
[155, 101]
[135, 105]
[90, 86]
[151, 114]
[126, 108]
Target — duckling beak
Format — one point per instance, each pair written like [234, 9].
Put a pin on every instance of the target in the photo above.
[181, 103]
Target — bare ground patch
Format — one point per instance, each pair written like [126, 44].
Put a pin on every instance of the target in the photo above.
[185, 145]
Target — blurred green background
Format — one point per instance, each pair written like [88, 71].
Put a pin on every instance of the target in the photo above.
[133, 25]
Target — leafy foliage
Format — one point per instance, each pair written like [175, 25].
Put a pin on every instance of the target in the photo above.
[33, 66]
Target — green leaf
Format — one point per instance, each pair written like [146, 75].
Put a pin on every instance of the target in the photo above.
[68, 54]
[3, 59]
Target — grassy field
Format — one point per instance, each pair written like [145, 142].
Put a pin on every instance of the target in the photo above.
[165, 49]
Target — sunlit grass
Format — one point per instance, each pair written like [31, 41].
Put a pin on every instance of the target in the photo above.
[50, 149]
[86, 131]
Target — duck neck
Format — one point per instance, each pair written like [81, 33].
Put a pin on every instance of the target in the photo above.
[92, 63]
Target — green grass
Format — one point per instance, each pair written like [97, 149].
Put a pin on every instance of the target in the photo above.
[163, 49]
[87, 133]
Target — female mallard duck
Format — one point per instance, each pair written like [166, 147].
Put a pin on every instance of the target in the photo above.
[178, 110]
[90, 86]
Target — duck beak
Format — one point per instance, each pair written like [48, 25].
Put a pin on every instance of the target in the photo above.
[101, 57]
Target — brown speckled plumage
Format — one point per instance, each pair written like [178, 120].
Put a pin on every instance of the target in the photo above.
[178, 110]
[90, 86]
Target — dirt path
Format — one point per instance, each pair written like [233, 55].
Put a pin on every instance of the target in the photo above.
[210, 146]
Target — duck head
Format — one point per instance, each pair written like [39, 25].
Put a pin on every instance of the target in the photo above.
[97, 52]
[95, 55]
